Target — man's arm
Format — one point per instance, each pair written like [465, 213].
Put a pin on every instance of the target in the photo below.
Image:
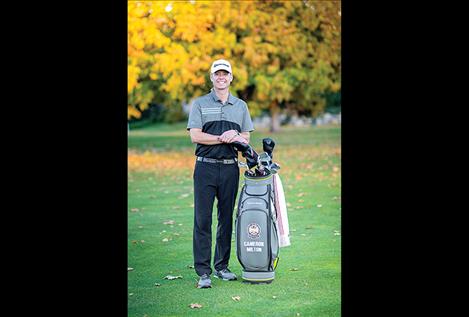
[233, 135]
[197, 136]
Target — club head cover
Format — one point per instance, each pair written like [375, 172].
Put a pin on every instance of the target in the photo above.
[268, 146]
[247, 152]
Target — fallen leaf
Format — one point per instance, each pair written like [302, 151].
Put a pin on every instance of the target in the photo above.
[236, 298]
[195, 305]
[134, 209]
[172, 277]
[301, 200]
[130, 269]
[300, 195]
[130, 294]
[190, 266]
[165, 240]
[169, 222]
[274, 297]
[157, 284]
[319, 206]
[176, 234]
[134, 241]
[142, 241]
[184, 196]
[140, 227]
[336, 233]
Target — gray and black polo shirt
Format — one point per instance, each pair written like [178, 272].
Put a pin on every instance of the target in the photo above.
[209, 114]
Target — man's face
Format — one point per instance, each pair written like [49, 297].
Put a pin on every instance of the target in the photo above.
[221, 79]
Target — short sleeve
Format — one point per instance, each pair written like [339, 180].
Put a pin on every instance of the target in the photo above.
[195, 117]
[247, 125]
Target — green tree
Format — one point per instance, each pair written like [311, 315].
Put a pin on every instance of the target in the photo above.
[292, 50]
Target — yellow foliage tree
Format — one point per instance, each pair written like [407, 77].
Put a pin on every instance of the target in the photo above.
[284, 54]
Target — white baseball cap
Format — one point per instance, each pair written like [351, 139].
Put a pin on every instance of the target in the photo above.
[221, 64]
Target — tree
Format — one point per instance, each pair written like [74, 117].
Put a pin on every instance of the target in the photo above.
[284, 54]
[292, 50]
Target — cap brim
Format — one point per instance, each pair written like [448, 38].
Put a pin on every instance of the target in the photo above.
[221, 68]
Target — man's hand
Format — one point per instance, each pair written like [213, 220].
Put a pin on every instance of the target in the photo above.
[228, 136]
[239, 139]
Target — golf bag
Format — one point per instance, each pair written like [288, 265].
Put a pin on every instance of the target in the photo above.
[257, 242]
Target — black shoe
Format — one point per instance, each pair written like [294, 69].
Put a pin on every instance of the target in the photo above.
[225, 275]
[204, 281]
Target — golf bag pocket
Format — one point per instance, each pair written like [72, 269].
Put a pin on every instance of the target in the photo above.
[255, 251]
[253, 203]
[257, 191]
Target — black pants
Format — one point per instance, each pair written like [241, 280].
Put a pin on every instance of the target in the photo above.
[213, 180]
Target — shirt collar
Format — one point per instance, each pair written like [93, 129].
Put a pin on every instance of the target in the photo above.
[215, 97]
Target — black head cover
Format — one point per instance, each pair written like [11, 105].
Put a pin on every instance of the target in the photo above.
[247, 152]
[268, 146]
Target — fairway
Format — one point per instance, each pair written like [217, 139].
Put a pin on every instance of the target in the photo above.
[160, 220]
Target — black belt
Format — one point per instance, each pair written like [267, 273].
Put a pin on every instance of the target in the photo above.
[210, 160]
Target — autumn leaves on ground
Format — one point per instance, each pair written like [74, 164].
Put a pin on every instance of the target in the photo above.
[161, 278]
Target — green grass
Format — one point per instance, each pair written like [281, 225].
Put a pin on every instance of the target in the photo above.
[309, 271]
[164, 137]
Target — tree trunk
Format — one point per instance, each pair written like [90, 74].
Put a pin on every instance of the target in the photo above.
[275, 118]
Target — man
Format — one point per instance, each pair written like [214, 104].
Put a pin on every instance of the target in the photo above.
[216, 120]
